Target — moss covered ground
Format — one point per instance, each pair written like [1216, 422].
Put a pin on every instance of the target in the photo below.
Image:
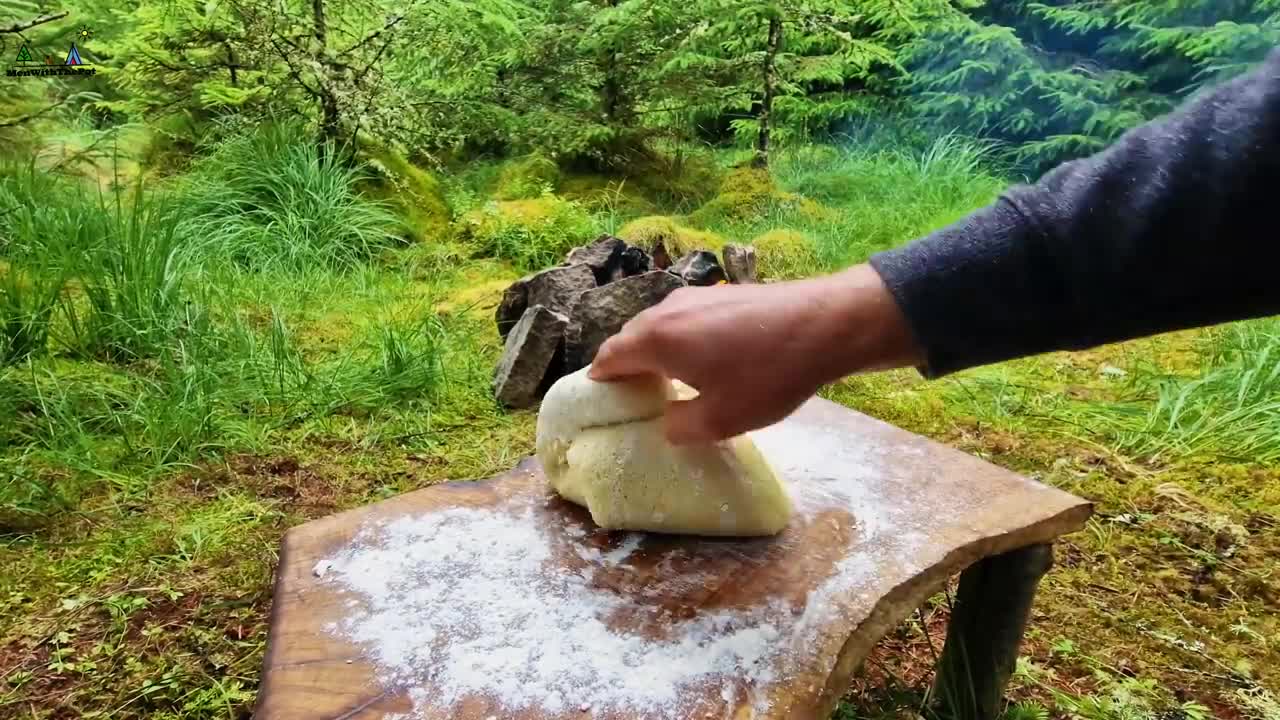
[135, 565]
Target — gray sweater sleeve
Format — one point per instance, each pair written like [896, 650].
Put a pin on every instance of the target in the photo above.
[1174, 226]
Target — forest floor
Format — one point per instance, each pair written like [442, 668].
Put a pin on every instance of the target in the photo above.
[148, 595]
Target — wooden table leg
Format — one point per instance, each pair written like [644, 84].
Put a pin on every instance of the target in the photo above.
[991, 611]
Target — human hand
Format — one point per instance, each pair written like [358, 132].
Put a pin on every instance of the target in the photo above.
[756, 352]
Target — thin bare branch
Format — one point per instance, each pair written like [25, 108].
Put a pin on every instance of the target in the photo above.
[31, 116]
[294, 71]
[19, 27]
[391, 23]
[374, 61]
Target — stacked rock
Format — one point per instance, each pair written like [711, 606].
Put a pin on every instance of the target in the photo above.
[554, 321]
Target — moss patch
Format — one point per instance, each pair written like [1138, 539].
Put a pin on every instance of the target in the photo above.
[414, 193]
[784, 254]
[482, 298]
[677, 180]
[528, 177]
[604, 194]
[648, 182]
[532, 233]
[749, 194]
[678, 239]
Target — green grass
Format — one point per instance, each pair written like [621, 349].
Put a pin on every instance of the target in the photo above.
[863, 199]
[128, 297]
[27, 304]
[885, 197]
[1230, 409]
[35, 211]
[156, 443]
[269, 200]
[532, 233]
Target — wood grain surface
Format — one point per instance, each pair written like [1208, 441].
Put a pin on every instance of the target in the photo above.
[911, 511]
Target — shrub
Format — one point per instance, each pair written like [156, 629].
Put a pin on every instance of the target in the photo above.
[271, 200]
[531, 233]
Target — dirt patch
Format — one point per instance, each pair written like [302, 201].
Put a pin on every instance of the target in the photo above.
[310, 488]
[100, 653]
[163, 613]
[902, 662]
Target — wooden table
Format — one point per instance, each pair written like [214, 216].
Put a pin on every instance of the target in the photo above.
[884, 517]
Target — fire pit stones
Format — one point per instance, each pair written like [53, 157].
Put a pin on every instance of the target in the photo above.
[554, 321]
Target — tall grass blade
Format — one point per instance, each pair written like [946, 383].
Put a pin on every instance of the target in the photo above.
[268, 200]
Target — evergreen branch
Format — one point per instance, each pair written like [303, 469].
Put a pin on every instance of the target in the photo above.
[155, 59]
[19, 27]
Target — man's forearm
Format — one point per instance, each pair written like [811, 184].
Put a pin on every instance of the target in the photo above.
[1170, 228]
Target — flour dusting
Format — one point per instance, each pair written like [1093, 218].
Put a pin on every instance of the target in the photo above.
[459, 603]
[504, 629]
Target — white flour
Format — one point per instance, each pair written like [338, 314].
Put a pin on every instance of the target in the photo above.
[504, 629]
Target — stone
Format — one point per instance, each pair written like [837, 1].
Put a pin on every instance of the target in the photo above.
[556, 289]
[515, 300]
[740, 263]
[531, 346]
[661, 258]
[633, 261]
[602, 256]
[603, 311]
[700, 268]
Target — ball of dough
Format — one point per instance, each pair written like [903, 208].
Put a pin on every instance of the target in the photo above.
[601, 445]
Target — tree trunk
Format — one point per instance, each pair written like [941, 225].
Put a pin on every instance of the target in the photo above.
[231, 63]
[330, 122]
[611, 89]
[610, 92]
[761, 159]
[331, 115]
[321, 28]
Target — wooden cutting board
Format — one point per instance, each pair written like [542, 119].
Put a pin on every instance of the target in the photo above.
[656, 626]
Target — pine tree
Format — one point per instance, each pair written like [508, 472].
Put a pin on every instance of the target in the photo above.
[796, 66]
[1062, 79]
[598, 80]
